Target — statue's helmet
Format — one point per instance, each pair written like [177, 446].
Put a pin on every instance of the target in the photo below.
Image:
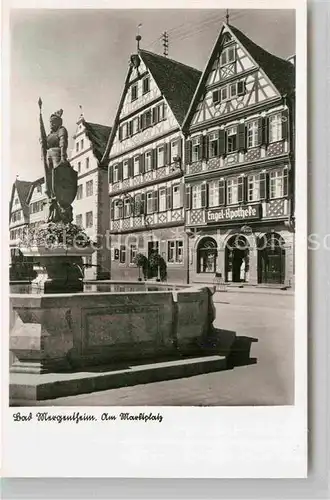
[57, 115]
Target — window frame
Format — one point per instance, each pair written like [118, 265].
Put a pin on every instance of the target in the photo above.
[232, 187]
[115, 174]
[195, 142]
[150, 202]
[196, 196]
[125, 167]
[284, 175]
[145, 79]
[162, 199]
[279, 125]
[90, 215]
[134, 86]
[161, 163]
[80, 192]
[89, 188]
[179, 204]
[254, 135]
[228, 135]
[148, 164]
[254, 180]
[213, 193]
[138, 165]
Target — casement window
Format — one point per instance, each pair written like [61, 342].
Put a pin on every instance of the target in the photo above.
[79, 167]
[125, 169]
[162, 199]
[146, 119]
[136, 163]
[214, 194]
[161, 112]
[116, 209]
[228, 56]
[150, 204]
[252, 134]
[196, 149]
[213, 145]
[275, 127]
[123, 131]
[79, 220]
[132, 253]
[134, 92]
[82, 144]
[116, 173]
[216, 96]
[148, 161]
[232, 141]
[196, 196]
[235, 190]
[175, 150]
[89, 188]
[176, 199]
[127, 208]
[224, 93]
[278, 183]
[145, 85]
[122, 254]
[175, 251]
[135, 125]
[87, 163]
[89, 219]
[160, 156]
[79, 192]
[233, 90]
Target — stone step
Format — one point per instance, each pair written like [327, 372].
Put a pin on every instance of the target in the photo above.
[26, 389]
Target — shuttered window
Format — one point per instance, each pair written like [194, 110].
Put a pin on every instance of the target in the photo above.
[252, 134]
[278, 183]
[275, 127]
[196, 194]
[232, 140]
[196, 149]
[136, 163]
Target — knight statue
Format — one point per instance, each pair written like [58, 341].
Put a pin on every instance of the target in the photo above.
[60, 177]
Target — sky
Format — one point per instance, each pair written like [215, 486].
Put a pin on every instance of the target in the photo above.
[73, 58]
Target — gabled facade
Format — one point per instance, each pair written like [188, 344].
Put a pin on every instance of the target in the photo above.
[145, 160]
[91, 207]
[239, 165]
[18, 210]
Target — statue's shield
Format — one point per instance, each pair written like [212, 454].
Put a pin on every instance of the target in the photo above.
[65, 184]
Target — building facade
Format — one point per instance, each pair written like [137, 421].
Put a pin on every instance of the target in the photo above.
[239, 166]
[145, 159]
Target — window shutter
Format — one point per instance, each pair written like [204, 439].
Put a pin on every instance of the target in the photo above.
[180, 148]
[142, 163]
[130, 167]
[245, 189]
[241, 136]
[154, 159]
[261, 131]
[110, 176]
[204, 193]
[205, 147]
[155, 207]
[130, 128]
[164, 110]
[285, 181]
[143, 208]
[285, 124]
[120, 133]
[222, 142]
[165, 153]
[154, 115]
[265, 131]
[120, 171]
[222, 192]
[188, 147]
[267, 186]
[168, 158]
[240, 195]
[136, 208]
[188, 198]
[262, 185]
[169, 198]
[112, 211]
[201, 142]
[121, 209]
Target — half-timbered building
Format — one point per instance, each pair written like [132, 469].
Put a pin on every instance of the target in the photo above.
[145, 159]
[239, 165]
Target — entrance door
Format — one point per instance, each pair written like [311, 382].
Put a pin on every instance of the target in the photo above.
[271, 268]
[207, 252]
[237, 259]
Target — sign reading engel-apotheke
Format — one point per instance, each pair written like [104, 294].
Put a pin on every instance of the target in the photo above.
[246, 212]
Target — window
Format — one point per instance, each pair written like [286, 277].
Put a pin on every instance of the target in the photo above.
[89, 219]
[254, 187]
[147, 161]
[123, 131]
[195, 149]
[82, 144]
[125, 169]
[135, 125]
[232, 191]
[224, 93]
[89, 188]
[147, 118]
[278, 183]
[175, 251]
[88, 260]
[117, 205]
[213, 145]
[122, 254]
[79, 167]
[233, 89]
[196, 196]
[134, 92]
[127, 207]
[79, 220]
[136, 165]
[176, 203]
[16, 201]
[227, 56]
[232, 139]
[146, 85]
[160, 156]
[216, 96]
[116, 173]
[36, 207]
[150, 202]
[162, 199]
[161, 112]
[275, 128]
[79, 192]
[87, 163]
[213, 194]
[252, 134]
[132, 253]
[77, 147]
[39, 188]
[174, 150]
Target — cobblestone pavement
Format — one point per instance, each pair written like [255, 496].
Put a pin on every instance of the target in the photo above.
[267, 318]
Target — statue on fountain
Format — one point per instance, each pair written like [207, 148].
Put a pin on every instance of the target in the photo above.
[60, 177]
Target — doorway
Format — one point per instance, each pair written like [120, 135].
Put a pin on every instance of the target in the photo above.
[271, 259]
[237, 259]
[207, 252]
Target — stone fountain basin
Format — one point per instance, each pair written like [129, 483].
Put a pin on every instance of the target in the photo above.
[42, 251]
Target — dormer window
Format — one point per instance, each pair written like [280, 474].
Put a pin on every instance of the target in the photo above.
[134, 92]
[146, 85]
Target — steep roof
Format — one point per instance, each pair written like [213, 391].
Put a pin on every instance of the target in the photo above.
[175, 80]
[281, 72]
[98, 135]
[23, 189]
[40, 180]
